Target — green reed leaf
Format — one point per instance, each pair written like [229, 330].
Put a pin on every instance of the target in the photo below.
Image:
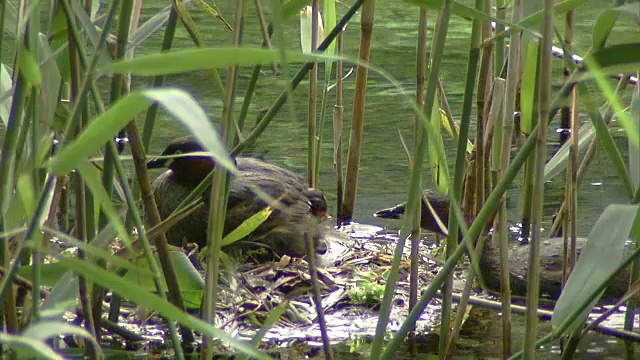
[176, 102]
[558, 163]
[528, 91]
[51, 79]
[602, 28]
[191, 282]
[609, 92]
[29, 67]
[599, 259]
[52, 329]
[28, 347]
[6, 89]
[247, 226]
[152, 301]
[200, 59]
[605, 138]
[91, 178]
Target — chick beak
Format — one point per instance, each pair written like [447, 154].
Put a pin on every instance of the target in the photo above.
[323, 214]
[391, 213]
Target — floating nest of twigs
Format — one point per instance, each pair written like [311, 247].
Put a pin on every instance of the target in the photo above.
[352, 277]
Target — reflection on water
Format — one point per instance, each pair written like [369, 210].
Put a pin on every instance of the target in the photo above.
[487, 339]
[481, 338]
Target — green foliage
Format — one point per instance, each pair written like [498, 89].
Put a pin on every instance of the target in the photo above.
[179, 103]
[367, 290]
[52, 86]
[439, 170]
[31, 343]
[191, 282]
[607, 20]
[199, 59]
[247, 226]
[599, 260]
[529, 81]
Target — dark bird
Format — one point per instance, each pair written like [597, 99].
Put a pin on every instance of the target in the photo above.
[551, 251]
[299, 209]
[439, 203]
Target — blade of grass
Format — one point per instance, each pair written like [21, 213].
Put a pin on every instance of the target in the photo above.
[152, 301]
[178, 102]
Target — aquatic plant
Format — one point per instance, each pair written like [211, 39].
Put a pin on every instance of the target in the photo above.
[72, 92]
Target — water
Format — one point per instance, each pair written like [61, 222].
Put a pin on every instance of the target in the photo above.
[383, 168]
[383, 176]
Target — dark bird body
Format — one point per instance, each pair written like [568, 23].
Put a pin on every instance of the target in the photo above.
[299, 210]
[551, 251]
[440, 204]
